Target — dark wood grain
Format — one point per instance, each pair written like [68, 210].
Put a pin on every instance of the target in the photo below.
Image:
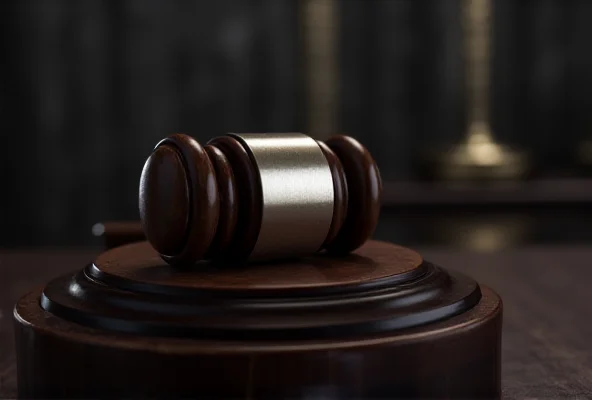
[364, 193]
[340, 191]
[184, 179]
[141, 328]
[374, 262]
[546, 348]
[250, 207]
[546, 351]
[164, 200]
[228, 195]
[20, 272]
[200, 204]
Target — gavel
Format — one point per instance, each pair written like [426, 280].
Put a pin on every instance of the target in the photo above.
[257, 197]
[354, 324]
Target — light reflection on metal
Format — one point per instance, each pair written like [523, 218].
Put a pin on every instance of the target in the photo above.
[297, 188]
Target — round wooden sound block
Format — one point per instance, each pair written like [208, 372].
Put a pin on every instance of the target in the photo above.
[380, 322]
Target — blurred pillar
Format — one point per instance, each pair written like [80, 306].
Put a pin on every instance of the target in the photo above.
[479, 156]
[320, 33]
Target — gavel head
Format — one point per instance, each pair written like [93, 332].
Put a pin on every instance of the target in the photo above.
[246, 197]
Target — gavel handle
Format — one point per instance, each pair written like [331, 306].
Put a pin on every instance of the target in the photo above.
[118, 233]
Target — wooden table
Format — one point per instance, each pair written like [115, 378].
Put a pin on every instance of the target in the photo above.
[547, 351]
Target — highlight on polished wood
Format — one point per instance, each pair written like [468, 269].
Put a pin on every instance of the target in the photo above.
[207, 202]
[379, 322]
[363, 319]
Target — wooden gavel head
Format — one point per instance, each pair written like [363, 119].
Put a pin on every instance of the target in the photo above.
[257, 197]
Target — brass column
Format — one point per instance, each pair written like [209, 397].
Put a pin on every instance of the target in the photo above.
[479, 155]
[321, 66]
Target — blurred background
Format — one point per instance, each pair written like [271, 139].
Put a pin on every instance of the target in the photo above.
[478, 112]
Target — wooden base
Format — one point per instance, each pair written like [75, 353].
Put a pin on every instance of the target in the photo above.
[378, 323]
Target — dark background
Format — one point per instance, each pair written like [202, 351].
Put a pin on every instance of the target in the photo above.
[89, 87]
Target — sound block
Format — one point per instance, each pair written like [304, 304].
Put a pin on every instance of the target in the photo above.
[378, 323]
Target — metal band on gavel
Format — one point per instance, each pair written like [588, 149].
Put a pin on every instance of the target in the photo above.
[257, 197]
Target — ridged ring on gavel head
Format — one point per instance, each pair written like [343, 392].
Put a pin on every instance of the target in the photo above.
[257, 197]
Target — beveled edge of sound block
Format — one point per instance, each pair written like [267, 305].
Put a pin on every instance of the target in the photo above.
[381, 290]
[31, 315]
[376, 262]
[288, 351]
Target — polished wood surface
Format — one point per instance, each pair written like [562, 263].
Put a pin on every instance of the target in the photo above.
[250, 209]
[198, 203]
[228, 197]
[165, 213]
[377, 261]
[117, 233]
[167, 204]
[141, 328]
[364, 190]
[545, 352]
[340, 193]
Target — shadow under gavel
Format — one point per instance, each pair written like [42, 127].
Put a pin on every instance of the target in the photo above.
[118, 233]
